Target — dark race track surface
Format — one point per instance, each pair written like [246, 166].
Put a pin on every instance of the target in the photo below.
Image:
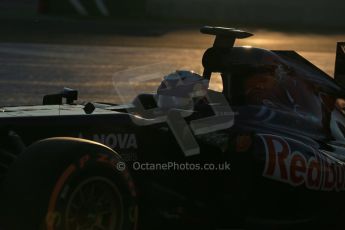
[30, 70]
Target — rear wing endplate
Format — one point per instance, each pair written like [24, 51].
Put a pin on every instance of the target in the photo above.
[339, 70]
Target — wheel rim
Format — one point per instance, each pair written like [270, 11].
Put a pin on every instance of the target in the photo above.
[95, 204]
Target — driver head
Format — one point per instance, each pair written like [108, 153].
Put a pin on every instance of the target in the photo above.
[179, 89]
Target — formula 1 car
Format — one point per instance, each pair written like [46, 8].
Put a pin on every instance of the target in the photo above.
[268, 151]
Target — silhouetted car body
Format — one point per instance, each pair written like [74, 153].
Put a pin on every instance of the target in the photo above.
[283, 137]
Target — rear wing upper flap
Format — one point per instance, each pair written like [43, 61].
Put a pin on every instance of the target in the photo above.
[225, 37]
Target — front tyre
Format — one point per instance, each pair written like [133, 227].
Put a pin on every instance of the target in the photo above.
[68, 184]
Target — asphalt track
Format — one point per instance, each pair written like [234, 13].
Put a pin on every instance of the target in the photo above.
[93, 64]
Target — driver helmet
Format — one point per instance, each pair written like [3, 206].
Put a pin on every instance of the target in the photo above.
[180, 88]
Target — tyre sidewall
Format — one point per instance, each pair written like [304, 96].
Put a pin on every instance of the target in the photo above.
[38, 186]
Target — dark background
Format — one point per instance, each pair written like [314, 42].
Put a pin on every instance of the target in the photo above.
[46, 45]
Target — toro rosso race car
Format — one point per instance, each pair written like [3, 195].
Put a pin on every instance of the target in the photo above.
[266, 152]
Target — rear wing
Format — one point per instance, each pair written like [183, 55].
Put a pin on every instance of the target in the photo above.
[223, 43]
[339, 70]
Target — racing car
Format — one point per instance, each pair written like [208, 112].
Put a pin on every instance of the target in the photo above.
[267, 151]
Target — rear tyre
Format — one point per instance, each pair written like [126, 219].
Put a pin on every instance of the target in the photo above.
[68, 184]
